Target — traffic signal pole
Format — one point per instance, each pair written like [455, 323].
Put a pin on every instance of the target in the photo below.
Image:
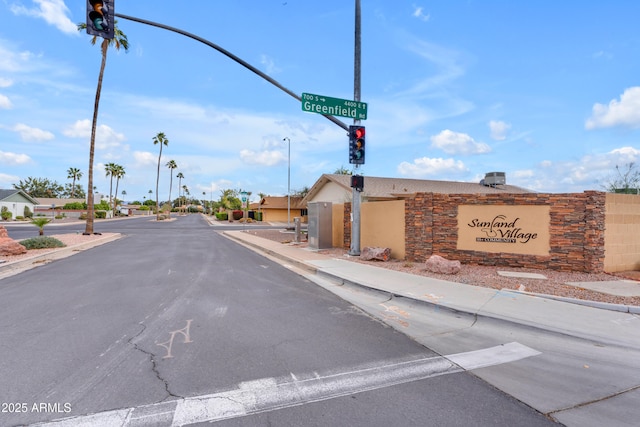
[229, 55]
[355, 193]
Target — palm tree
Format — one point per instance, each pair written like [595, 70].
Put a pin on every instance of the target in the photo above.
[73, 173]
[171, 164]
[179, 176]
[40, 222]
[119, 173]
[119, 40]
[161, 139]
[110, 171]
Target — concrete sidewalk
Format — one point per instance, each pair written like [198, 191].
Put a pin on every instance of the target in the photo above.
[611, 323]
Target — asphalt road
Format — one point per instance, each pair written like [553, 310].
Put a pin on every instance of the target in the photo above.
[183, 324]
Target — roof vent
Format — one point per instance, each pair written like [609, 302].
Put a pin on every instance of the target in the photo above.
[492, 179]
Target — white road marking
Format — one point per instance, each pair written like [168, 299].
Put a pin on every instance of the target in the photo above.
[269, 394]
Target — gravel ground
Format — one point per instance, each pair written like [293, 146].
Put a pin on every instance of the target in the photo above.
[67, 239]
[487, 276]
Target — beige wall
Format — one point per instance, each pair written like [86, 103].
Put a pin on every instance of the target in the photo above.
[504, 229]
[622, 233]
[382, 224]
[332, 192]
[337, 225]
[279, 215]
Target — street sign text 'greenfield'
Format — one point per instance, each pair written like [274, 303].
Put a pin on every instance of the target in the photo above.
[334, 106]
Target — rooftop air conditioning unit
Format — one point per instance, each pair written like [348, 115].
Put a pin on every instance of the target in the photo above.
[495, 178]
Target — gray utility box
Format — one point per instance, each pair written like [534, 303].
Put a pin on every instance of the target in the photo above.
[319, 231]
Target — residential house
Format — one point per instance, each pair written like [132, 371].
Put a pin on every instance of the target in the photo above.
[278, 209]
[16, 201]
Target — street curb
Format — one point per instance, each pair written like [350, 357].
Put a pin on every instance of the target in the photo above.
[15, 267]
[594, 304]
[453, 308]
[299, 264]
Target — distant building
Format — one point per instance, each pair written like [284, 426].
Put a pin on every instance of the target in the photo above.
[15, 201]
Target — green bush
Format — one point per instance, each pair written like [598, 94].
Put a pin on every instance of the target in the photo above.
[222, 216]
[27, 212]
[42, 242]
[75, 205]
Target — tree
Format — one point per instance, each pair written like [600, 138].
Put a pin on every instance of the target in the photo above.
[179, 176]
[77, 191]
[301, 193]
[40, 187]
[624, 181]
[161, 139]
[229, 199]
[343, 171]
[40, 222]
[119, 173]
[119, 40]
[110, 171]
[74, 174]
[171, 164]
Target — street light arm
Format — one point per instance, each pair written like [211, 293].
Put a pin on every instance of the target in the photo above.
[230, 55]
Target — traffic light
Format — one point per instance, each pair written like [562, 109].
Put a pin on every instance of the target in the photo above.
[100, 18]
[356, 144]
[357, 182]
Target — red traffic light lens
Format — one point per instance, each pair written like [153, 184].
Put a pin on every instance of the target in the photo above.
[359, 133]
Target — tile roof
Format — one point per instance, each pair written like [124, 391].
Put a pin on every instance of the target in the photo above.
[393, 188]
[280, 202]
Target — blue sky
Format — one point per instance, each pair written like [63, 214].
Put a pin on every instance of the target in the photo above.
[546, 91]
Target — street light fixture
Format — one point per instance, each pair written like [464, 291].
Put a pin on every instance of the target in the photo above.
[288, 181]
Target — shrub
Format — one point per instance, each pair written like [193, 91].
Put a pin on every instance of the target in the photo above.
[42, 242]
[222, 216]
[5, 214]
[27, 212]
[237, 214]
[75, 206]
[19, 218]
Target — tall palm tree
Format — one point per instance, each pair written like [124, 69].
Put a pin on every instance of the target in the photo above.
[119, 173]
[73, 173]
[179, 176]
[110, 171]
[171, 164]
[161, 139]
[119, 40]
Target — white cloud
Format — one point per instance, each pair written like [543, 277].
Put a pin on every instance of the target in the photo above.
[4, 82]
[264, 158]
[106, 137]
[499, 129]
[13, 158]
[458, 143]
[624, 112]
[145, 158]
[5, 102]
[269, 64]
[54, 12]
[28, 133]
[419, 13]
[425, 166]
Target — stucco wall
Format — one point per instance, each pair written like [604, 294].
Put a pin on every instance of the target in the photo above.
[622, 232]
[382, 225]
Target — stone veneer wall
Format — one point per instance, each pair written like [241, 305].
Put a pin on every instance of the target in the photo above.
[577, 222]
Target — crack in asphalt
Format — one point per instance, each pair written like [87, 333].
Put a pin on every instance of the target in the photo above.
[154, 364]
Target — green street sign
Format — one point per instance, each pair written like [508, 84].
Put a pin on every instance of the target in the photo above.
[334, 106]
